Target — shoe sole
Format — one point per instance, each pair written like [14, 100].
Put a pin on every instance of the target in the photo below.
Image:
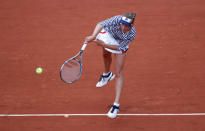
[113, 76]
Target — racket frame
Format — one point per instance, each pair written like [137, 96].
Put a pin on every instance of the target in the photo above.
[78, 60]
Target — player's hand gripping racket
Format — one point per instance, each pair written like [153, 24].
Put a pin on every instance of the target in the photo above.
[72, 68]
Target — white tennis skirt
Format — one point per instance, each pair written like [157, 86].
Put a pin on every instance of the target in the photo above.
[108, 39]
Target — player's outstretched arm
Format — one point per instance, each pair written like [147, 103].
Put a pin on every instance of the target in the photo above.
[101, 43]
[97, 29]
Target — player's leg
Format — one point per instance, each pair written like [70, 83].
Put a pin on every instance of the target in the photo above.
[107, 57]
[120, 60]
[107, 75]
[119, 64]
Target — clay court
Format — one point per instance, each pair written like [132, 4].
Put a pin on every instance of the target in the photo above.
[164, 71]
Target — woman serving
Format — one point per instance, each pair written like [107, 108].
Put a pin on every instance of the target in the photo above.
[114, 36]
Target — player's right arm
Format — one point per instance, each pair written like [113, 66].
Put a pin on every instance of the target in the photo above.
[113, 21]
[97, 29]
[103, 24]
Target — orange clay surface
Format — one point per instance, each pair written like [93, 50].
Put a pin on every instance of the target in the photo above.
[164, 70]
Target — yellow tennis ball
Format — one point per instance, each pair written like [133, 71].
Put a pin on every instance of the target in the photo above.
[39, 70]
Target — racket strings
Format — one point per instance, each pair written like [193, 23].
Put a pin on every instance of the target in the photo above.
[71, 64]
[71, 71]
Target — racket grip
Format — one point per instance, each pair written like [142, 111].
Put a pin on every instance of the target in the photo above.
[84, 46]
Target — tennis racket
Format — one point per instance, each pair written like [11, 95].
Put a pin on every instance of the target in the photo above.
[72, 68]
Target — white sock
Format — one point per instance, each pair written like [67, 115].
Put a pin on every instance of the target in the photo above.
[116, 104]
[105, 74]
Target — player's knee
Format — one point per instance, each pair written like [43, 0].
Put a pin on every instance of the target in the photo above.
[118, 74]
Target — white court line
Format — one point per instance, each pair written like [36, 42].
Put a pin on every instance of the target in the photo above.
[66, 115]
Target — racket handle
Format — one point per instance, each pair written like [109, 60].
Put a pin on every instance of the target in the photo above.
[84, 46]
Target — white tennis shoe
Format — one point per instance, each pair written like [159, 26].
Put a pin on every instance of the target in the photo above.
[105, 79]
[113, 111]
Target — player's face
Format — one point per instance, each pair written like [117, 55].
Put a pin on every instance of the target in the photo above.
[125, 28]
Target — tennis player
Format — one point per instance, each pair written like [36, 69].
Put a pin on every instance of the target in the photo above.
[114, 36]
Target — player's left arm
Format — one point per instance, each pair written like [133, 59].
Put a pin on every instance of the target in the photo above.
[101, 43]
